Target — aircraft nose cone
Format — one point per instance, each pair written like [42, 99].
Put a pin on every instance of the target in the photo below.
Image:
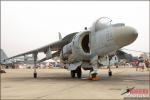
[125, 35]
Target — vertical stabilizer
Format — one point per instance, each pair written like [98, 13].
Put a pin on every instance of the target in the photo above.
[60, 37]
[2, 56]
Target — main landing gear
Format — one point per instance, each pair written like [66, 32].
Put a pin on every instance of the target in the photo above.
[77, 72]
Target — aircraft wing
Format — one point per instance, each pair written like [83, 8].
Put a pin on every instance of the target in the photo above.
[120, 53]
[56, 46]
[123, 55]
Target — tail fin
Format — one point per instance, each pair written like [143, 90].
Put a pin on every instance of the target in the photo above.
[60, 37]
[2, 56]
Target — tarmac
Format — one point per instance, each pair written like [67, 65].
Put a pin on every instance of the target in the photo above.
[57, 84]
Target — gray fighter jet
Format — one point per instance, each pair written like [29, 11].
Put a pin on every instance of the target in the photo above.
[84, 49]
[11, 62]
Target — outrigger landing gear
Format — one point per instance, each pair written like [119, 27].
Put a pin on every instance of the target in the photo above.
[78, 71]
[35, 73]
[35, 59]
[109, 72]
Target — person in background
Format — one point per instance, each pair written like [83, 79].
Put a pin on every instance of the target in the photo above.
[141, 65]
[147, 63]
[137, 65]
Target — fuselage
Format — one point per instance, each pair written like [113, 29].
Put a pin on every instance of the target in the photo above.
[86, 48]
[86, 44]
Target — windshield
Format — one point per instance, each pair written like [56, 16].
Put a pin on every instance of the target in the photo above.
[104, 20]
[101, 23]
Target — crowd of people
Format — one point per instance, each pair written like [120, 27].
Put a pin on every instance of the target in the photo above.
[142, 64]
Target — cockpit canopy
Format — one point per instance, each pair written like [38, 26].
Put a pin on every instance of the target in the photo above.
[104, 22]
[101, 23]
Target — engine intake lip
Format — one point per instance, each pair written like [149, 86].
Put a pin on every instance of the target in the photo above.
[85, 42]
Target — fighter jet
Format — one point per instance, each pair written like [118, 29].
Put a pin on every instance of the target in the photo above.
[2, 57]
[85, 48]
[11, 62]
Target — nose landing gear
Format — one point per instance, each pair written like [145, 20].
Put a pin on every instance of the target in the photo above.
[93, 75]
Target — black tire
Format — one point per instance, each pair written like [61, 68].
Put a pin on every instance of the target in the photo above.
[116, 66]
[110, 73]
[73, 73]
[35, 75]
[79, 72]
[93, 75]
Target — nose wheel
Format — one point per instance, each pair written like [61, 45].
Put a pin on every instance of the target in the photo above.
[93, 75]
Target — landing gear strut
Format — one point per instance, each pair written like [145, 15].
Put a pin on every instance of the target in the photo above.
[109, 71]
[35, 73]
[35, 59]
[94, 75]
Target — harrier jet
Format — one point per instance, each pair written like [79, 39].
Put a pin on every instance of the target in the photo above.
[11, 62]
[84, 49]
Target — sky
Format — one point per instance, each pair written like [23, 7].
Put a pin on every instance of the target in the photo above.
[27, 25]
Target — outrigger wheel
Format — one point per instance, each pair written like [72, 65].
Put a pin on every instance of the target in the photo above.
[35, 75]
[109, 73]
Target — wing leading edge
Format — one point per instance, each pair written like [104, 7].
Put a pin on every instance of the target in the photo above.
[55, 46]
